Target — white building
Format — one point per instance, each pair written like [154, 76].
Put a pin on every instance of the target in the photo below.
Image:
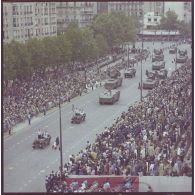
[80, 12]
[151, 20]
[182, 9]
[23, 20]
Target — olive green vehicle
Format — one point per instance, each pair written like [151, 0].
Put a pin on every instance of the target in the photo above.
[109, 97]
[150, 84]
[181, 59]
[158, 65]
[113, 83]
[172, 50]
[115, 79]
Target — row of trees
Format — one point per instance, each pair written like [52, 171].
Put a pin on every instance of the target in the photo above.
[76, 44]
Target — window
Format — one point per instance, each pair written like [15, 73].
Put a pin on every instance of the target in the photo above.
[14, 22]
[155, 19]
[149, 19]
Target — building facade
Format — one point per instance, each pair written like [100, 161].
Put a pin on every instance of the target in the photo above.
[154, 6]
[151, 19]
[22, 21]
[131, 8]
[81, 13]
[102, 7]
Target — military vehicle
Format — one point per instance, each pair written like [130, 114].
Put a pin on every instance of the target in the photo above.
[78, 117]
[150, 84]
[41, 143]
[151, 75]
[162, 74]
[182, 52]
[158, 65]
[158, 55]
[113, 83]
[109, 97]
[181, 59]
[172, 50]
[129, 73]
[113, 72]
[115, 80]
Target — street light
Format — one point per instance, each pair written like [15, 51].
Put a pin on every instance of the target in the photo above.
[141, 61]
[61, 157]
[176, 60]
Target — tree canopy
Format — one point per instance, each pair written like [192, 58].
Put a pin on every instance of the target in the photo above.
[76, 44]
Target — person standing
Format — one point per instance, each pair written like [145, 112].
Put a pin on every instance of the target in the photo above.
[29, 119]
[57, 141]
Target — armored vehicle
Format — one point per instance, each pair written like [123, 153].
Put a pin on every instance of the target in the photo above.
[129, 73]
[109, 97]
[162, 74]
[157, 58]
[181, 59]
[158, 65]
[158, 55]
[113, 83]
[113, 73]
[151, 75]
[150, 84]
[41, 142]
[173, 50]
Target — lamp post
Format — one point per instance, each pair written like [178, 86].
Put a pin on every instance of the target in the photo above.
[61, 157]
[141, 62]
[176, 60]
[128, 55]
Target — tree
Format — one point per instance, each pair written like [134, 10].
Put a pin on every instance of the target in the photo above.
[115, 27]
[65, 51]
[185, 28]
[35, 49]
[74, 35]
[89, 50]
[16, 61]
[170, 21]
[102, 45]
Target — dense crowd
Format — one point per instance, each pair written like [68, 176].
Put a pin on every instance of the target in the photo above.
[151, 139]
[23, 98]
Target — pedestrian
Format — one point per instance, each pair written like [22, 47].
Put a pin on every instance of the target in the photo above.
[57, 141]
[10, 131]
[73, 107]
[29, 119]
[139, 86]
[44, 110]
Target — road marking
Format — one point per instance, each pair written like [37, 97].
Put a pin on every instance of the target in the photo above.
[42, 171]
[71, 127]
[18, 142]
[47, 167]
[11, 168]
[29, 180]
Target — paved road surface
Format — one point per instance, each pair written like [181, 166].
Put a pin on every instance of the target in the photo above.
[25, 169]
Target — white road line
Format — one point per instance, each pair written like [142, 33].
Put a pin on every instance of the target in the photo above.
[18, 142]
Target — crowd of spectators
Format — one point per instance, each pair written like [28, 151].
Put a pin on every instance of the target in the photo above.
[150, 139]
[27, 98]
